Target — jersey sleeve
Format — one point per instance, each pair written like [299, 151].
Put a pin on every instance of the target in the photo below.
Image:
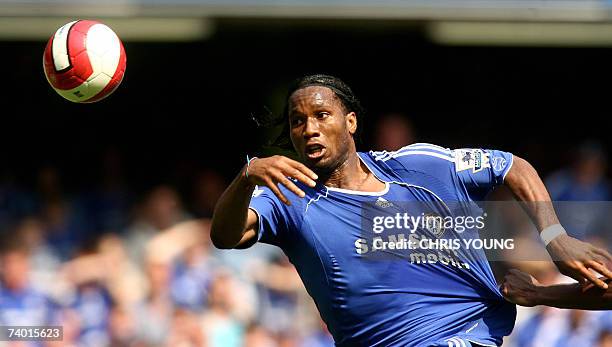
[480, 170]
[271, 216]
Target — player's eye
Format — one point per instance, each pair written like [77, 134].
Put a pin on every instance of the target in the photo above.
[322, 114]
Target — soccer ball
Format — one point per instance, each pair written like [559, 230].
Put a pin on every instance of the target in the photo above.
[84, 61]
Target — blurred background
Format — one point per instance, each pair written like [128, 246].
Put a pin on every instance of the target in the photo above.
[104, 208]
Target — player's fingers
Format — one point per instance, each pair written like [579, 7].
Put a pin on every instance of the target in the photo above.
[583, 281]
[591, 277]
[604, 253]
[573, 273]
[291, 186]
[600, 268]
[302, 168]
[599, 258]
[300, 176]
[274, 188]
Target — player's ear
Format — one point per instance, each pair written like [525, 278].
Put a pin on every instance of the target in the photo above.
[351, 123]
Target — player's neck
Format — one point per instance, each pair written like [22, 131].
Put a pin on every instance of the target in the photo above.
[352, 174]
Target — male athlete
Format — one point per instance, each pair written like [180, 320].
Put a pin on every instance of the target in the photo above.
[313, 209]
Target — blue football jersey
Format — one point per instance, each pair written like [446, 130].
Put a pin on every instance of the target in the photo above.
[369, 297]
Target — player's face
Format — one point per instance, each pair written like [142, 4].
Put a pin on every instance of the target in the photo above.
[321, 129]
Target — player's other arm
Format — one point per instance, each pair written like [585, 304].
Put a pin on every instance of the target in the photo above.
[522, 289]
[573, 257]
[234, 225]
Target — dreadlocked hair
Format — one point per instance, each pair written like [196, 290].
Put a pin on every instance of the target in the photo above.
[343, 92]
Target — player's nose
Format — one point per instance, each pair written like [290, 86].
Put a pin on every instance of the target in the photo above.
[311, 128]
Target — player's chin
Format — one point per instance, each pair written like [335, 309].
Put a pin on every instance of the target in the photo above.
[315, 164]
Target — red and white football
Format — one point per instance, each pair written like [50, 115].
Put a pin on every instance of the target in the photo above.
[84, 61]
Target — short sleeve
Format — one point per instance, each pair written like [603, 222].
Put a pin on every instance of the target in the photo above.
[481, 170]
[270, 214]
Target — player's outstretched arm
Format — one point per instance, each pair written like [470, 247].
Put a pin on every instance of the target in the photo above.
[522, 289]
[234, 225]
[573, 257]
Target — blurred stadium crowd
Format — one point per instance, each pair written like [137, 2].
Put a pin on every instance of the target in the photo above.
[119, 271]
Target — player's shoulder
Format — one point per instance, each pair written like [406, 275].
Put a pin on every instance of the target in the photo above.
[430, 157]
[417, 163]
[417, 154]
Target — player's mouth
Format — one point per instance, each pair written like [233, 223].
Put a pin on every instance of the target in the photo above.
[314, 151]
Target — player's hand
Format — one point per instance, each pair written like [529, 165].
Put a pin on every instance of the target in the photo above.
[576, 259]
[520, 288]
[271, 171]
